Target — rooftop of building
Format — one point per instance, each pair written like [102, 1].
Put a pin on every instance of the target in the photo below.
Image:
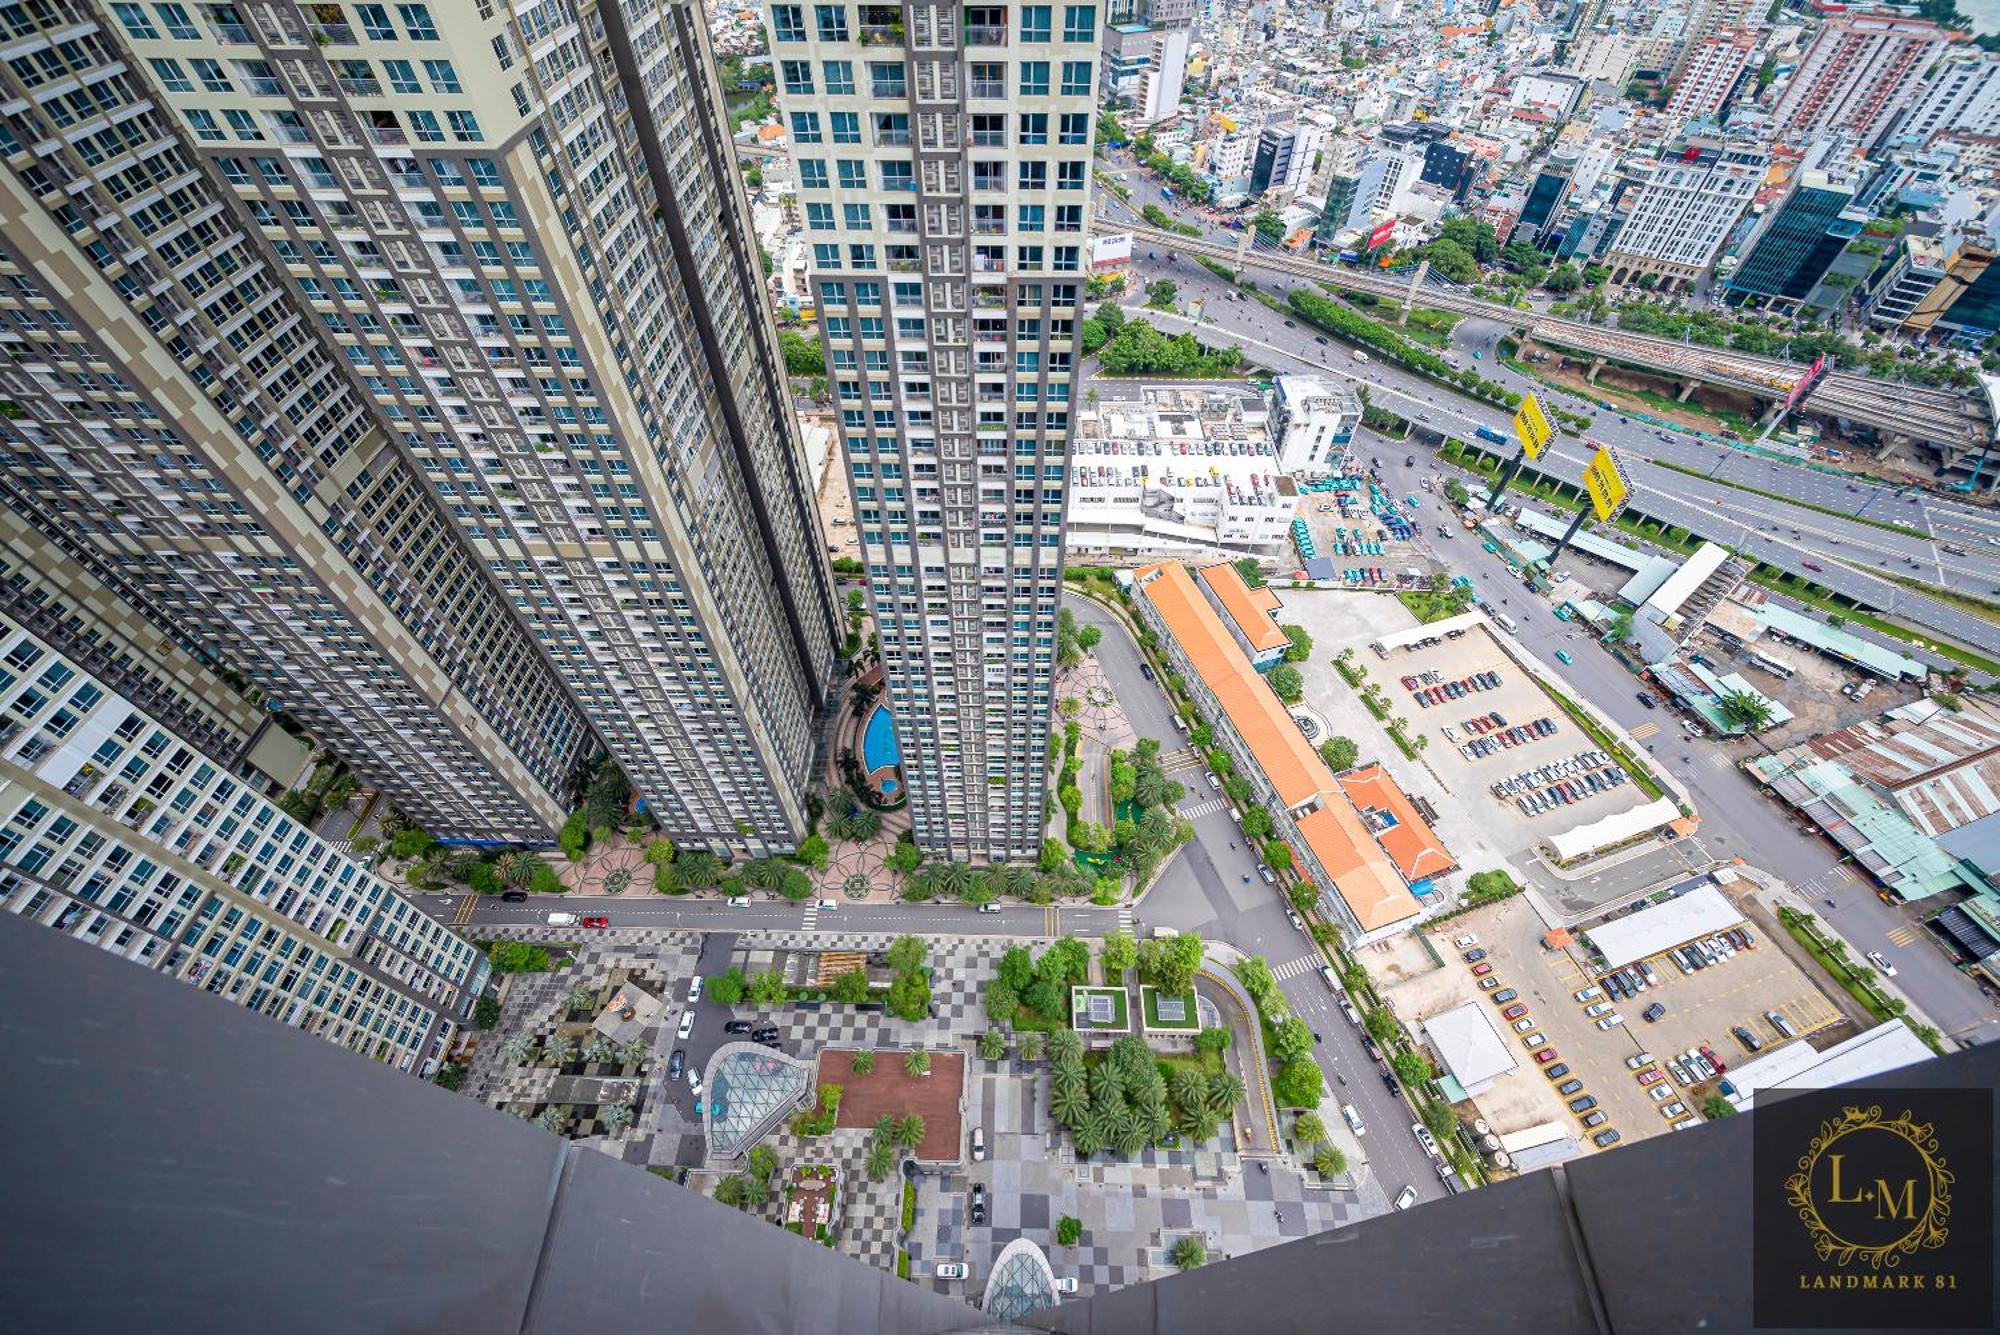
[1403, 833]
[1365, 878]
[1253, 610]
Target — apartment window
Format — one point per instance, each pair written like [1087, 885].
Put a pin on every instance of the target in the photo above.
[211, 76]
[417, 21]
[798, 77]
[136, 22]
[484, 171]
[805, 127]
[1073, 128]
[789, 22]
[846, 126]
[1034, 127]
[826, 256]
[892, 129]
[171, 75]
[899, 176]
[839, 77]
[868, 294]
[832, 21]
[991, 175]
[853, 173]
[402, 75]
[819, 217]
[989, 79]
[855, 217]
[1079, 23]
[1076, 78]
[860, 256]
[887, 79]
[1069, 217]
[442, 76]
[1069, 175]
[1034, 176]
[465, 127]
[1034, 79]
[812, 174]
[1035, 23]
[244, 124]
[1029, 218]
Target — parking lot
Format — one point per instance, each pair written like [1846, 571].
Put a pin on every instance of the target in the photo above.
[1551, 773]
[1367, 532]
[1700, 1007]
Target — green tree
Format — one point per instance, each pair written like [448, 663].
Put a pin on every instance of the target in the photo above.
[486, 1011]
[1715, 1106]
[910, 1131]
[1161, 294]
[910, 996]
[727, 988]
[1069, 1229]
[1268, 226]
[768, 988]
[1189, 1253]
[1121, 953]
[850, 987]
[803, 356]
[1563, 278]
[908, 954]
[1329, 1161]
[1257, 823]
[1339, 753]
[1304, 896]
[1254, 972]
[864, 1061]
[1279, 854]
[1381, 1025]
[1745, 708]
[1029, 1047]
[1452, 260]
[917, 1062]
[1411, 1068]
[1301, 646]
[763, 1162]
[992, 1045]
[1309, 1129]
[1291, 1039]
[1287, 682]
[1298, 1084]
[881, 1159]
[1251, 570]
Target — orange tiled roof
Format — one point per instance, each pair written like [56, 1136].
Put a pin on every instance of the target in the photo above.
[1249, 608]
[1410, 843]
[1362, 872]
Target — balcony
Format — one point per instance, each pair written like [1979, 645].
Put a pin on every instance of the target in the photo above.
[890, 88]
[994, 90]
[334, 34]
[892, 138]
[986, 34]
[881, 34]
[233, 34]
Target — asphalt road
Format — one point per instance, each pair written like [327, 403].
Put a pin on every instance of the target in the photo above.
[1853, 557]
[1211, 887]
[766, 914]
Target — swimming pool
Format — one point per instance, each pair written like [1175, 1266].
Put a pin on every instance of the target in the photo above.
[879, 747]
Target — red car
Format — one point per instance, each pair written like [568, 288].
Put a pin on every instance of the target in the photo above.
[597, 922]
[1481, 969]
[1545, 1056]
[1515, 1011]
[1650, 1076]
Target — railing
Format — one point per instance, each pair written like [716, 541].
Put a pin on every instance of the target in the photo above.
[335, 34]
[892, 138]
[986, 34]
[881, 34]
[265, 87]
[994, 89]
[890, 88]
[233, 34]
[908, 183]
[989, 139]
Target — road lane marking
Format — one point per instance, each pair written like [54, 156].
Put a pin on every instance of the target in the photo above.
[1297, 968]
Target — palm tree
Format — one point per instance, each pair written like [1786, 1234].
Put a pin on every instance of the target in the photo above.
[910, 1131]
[515, 869]
[1190, 1090]
[1088, 1132]
[1225, 1091]
[766, 873]
[599, 1049]
[953, 879]
[917, 1063]
[616, 1117]
[697, 870]
[635, 1052]
[1065, 1046]
[560, 1050]
[1330, 1161]
[864, 1062]
[1013, 880]
[553, 1120]
[518, 1049]
[1030, 1046]
[1069, 1104]
[881, 1158]
[582, 997]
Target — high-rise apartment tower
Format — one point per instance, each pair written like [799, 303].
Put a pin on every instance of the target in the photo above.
[422, 376]
[942, 154]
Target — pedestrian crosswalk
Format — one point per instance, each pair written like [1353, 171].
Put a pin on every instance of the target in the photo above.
[811, 922]
[1902, 936]
[1645, 730]
[1304, 964]
[1125, 918]
[1207, 807]
[1176, 761]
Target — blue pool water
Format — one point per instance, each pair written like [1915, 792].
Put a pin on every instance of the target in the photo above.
[879, 746]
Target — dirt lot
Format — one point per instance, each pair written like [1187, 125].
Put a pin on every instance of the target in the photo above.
[1518, 701]
[1812, 693]
[890, 1089]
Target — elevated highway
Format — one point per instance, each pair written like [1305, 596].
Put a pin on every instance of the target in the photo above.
[1954, 422]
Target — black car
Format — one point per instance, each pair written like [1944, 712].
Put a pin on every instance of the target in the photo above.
[515, 897]
[1476, 954]
[1652, 1012]
[736, 1027]
[978, 1202]
[677, 1063]
[1389, 1079]
[1146, 671]
[1605, 1138]
[1746, 1038]
[1319, 338]
[1646, 699]
[1582, 1105]
[1368, 1045]
[764, 1035]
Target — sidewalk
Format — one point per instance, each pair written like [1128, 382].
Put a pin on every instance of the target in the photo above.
[1256, 1066]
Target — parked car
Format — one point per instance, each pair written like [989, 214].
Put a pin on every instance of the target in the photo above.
[1595, 1117]
[1590, 994]
[1488, 983]
[597, 922]
[677, 1063]
[1611, 1021]
[1515, 1011]
[1534, 1040]
[1474, 956]
[1582, 1104]
[1481, 969]
[1545, 1056]
[1502, 998]
[951, 1270]
[1746, 1038]
[1524, 1024]
[1651, 1076]
[1653, 1012]
[736, 1027]
[1466, 942]
[1599, 1008]
[1606, 1138]
[979, 1202]
[1569, 1087]
[1408, 1195]
[1065, 1283]
[1672, 1110]
[1558, 1071]
[978, 1143]
[1424, 1138]
[766, 1034]
[686, 1024]
[514, 896]
[694, 990]
[1646, 699]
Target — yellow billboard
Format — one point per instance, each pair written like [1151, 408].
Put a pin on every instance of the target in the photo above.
[1605, 481]
[1531, 425]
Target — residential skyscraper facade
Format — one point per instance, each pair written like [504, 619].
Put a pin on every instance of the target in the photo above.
[1715, 66]
[521, 475]
[943, 160]
[121, 833]
[1962, 98]
[1685, 210]
[1860, 74]
[1801, 239]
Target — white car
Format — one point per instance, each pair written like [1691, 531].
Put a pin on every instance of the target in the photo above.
[1590, 994]
[978, 1144]
[1213, 782]
[989, 908]
[739, 901]
[1406, 1198]
[1881, 961]
[1065, 1283]
[562, 920]
[824, 904]
[1661, 1092]
[950, 1270]
[1672, 1110]
[694, 990]
[694, 1082]
[1353, 1117]
[686, 1025]
[1465, 942]
[1596, 1009]
[1611, 1021]
[1534, 1040]
[1424, 1138]
[1524, 1024]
